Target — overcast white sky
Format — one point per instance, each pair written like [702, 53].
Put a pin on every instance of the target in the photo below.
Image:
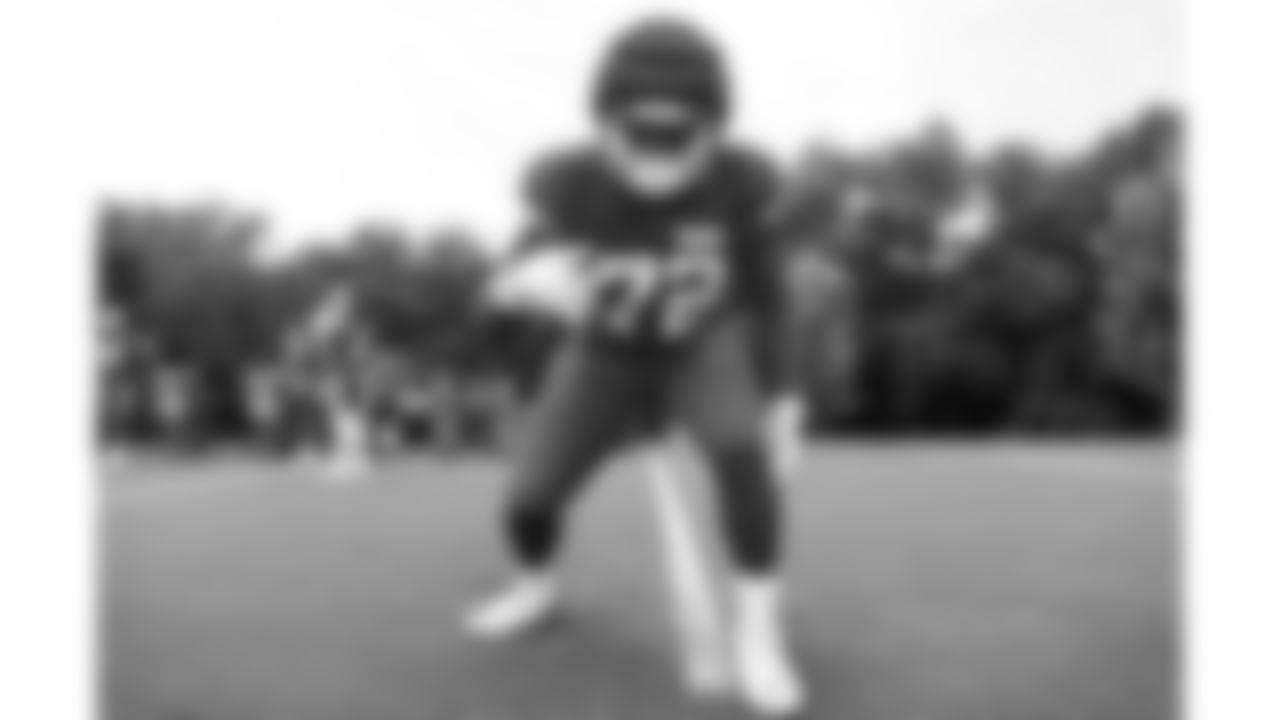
[325, 113]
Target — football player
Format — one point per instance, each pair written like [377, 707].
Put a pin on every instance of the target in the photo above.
[671, 225]
[330, 353]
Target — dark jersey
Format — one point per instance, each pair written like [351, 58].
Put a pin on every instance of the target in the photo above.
[661, 271]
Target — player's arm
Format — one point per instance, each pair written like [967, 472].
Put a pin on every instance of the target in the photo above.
[540, 228]
[546, 248]
[778, 337]
[765, 264]
[766, 283]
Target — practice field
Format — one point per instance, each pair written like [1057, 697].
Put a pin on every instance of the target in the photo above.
[930, 582]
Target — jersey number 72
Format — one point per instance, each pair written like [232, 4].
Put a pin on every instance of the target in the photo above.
[677, 291]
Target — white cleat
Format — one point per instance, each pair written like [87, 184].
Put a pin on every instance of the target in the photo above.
[517, 610]
[768, 680]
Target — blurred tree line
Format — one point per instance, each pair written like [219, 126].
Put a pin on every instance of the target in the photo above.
[196, 321]
[951, 293]
[1013, 292]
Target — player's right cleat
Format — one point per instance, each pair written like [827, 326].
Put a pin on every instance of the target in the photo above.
[768, 679]
[525, 605]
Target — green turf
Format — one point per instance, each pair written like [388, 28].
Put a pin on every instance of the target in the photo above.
[931, 582]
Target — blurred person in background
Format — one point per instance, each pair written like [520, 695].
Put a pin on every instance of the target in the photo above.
[1138, 326]
[823, 330]
[177, 407]
[331, 353]
[121, 363]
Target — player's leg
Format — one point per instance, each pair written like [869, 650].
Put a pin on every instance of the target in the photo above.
[696, 610]
[583, 412]
[720, 402]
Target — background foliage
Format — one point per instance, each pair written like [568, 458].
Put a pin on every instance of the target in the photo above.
[1012, 292]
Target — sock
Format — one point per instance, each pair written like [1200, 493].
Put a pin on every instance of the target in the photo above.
[751, 508]
[534, 536]
[759, 601]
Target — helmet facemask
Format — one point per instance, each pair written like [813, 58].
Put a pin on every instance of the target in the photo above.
[657, 147]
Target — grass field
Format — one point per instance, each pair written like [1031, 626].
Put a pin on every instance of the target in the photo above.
[930, 582]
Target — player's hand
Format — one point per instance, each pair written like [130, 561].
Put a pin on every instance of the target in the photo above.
[549, 282]
[784, 430]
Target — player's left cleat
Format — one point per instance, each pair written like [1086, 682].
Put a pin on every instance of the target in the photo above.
[527, 604]
[768, 680]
